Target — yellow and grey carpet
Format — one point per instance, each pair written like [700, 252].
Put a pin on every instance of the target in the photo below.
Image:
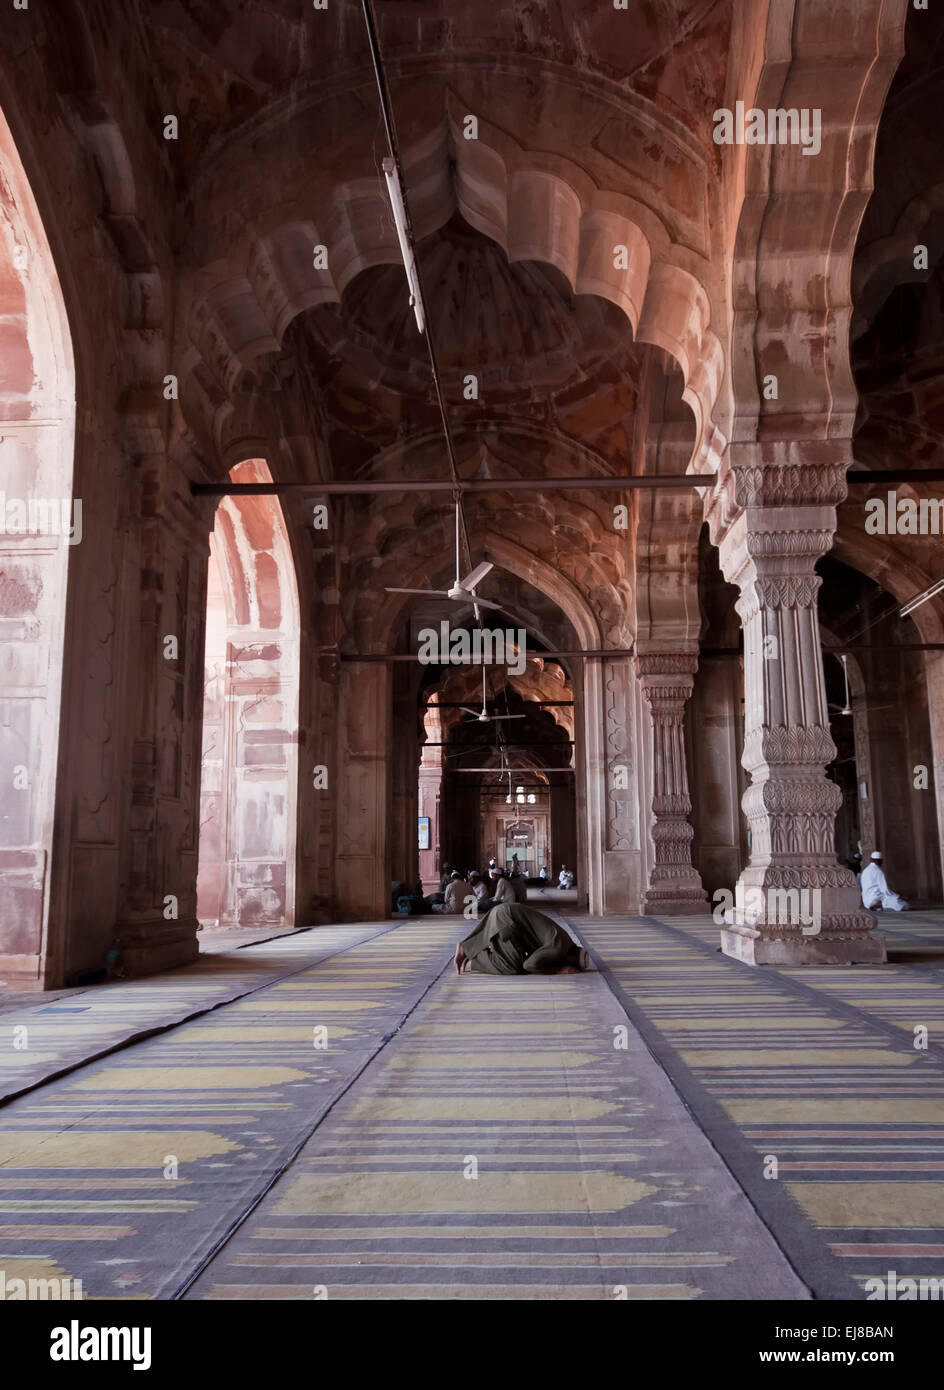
[128, 1172]
[338, 1115]
[516, 1142]
[455, 1138]
[42, 1038]
[822, 1088]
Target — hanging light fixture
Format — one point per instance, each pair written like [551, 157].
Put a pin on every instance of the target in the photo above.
[847, 707]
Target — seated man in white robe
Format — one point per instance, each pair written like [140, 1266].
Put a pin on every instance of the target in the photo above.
[875, 890]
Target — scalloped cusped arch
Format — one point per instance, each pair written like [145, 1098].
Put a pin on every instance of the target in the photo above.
[604, 243]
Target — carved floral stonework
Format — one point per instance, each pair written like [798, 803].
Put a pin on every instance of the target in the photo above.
[778, 591]
[620, 822]
[789, 484]
[790, 805]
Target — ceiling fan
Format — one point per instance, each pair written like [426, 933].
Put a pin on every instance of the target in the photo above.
[481, 715]
[463, 590]
[869, 708]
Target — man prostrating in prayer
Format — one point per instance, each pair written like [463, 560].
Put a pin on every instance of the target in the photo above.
[516, 940]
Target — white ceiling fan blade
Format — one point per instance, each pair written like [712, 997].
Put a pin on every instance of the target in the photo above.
[477, 574]
[509, 716]
[465, 710]
[430, 593]
[483, 602]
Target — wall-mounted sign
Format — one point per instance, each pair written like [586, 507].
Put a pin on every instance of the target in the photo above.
[423, 840]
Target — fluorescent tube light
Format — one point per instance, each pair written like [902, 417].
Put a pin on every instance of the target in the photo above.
[916, 602]
[406, 251]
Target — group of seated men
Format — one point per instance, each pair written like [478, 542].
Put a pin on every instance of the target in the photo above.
[489, 889]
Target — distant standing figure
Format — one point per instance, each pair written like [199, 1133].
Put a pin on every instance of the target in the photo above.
[875, 890]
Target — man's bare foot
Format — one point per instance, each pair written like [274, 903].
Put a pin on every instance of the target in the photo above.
[459, 958]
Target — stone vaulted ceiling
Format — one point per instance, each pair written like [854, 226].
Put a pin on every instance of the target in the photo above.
[594, 130]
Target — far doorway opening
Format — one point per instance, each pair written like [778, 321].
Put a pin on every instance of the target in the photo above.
[502, 789]
[249, 766]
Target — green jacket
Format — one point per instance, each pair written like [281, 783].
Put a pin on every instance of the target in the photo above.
[515, 940]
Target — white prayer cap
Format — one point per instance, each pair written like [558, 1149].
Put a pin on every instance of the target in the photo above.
[876, 854]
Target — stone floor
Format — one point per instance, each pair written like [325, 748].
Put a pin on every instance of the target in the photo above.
[335, 1113]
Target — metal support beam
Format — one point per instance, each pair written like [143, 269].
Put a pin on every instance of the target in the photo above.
[604, 652]
[369, 487]
[895, 475]
[505, 743]
[536, 704]
[711, 652]
[536, 656]
[889, 650]
[618, 483]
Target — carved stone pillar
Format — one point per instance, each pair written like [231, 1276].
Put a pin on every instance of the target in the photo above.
[607, 767]
[794, 904]
[674, 887]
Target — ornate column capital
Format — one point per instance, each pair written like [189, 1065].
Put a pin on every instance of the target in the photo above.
[666, 677]
[775, 542]
[665, 665]
[776, 474]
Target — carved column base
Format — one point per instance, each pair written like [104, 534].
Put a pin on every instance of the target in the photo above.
[791, 948]
[676, 905]
[674, 893]
[779, 919]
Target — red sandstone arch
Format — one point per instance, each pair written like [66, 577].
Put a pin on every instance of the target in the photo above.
[249, 767]
[797, 224]
[37, 425]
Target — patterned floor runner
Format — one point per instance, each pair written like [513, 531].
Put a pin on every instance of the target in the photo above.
[809, 1083]
[361, 1124]
[515, 1141]
[127, 1173]
[40, 1038]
